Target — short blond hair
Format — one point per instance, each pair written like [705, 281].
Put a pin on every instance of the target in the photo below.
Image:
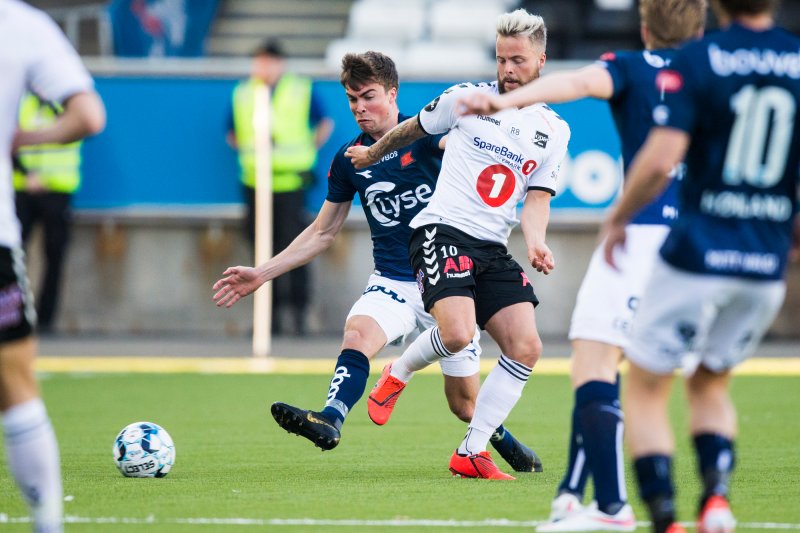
[520, 22]
[671, 22]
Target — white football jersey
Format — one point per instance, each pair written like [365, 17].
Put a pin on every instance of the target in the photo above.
[34, 55]
[490, 163]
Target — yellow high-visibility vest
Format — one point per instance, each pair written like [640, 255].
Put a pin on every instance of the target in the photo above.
[58, 166]
[293, 149]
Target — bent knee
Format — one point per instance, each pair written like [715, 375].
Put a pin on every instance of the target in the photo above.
[352, 339]
[455, 344]
[526, 350]
[456, 339]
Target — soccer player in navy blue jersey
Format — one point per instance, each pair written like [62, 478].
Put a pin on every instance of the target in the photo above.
[390, 309]
[730, 109]
[608, 296]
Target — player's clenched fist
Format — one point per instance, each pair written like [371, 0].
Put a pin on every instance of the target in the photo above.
[480, 104]
[359, 155]
[238, 282]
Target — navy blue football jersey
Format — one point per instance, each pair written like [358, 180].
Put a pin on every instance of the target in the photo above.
[635, 96]
[392, 192]
[736, 92]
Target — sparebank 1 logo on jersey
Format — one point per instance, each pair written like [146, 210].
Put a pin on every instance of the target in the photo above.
[386, 207]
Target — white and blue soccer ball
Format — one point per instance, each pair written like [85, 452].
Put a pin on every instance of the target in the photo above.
[144, 449]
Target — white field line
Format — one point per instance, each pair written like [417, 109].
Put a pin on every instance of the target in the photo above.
[499, 522]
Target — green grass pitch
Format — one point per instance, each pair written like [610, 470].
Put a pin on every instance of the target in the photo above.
[233, 461]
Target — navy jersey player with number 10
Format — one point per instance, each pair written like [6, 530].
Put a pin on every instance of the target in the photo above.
[392, 192]
[731, 103]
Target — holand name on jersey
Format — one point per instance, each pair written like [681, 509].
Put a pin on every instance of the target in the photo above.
[386, 207]
[731, 204]
[743, 62]
[502, 151]
[742, 262]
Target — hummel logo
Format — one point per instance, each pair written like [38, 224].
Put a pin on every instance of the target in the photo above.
[366, 173]
[434, 281]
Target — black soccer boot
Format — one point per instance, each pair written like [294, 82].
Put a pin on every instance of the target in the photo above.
[309, 424]
[521, 458]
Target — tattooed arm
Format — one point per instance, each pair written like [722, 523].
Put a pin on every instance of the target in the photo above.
[401, 135]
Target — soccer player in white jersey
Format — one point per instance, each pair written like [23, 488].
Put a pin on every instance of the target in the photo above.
[458, 247]
[608, 296]
[34, 56]
[390, 309]
[731, 113]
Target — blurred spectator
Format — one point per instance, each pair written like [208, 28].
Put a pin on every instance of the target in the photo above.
[45, 178]
[298, 128]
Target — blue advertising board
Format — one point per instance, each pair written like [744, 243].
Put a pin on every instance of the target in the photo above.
[165, 145]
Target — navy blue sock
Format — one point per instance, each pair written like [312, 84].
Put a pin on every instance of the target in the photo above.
[600, 416]
[502, 440]
[347, 385]
[654, 473]
[577, 473]
[715, 460]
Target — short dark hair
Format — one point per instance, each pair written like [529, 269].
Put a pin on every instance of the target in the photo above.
[270, 47]
[748, 7]
[370, 67]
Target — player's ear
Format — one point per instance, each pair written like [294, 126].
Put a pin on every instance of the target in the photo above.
[392, 95]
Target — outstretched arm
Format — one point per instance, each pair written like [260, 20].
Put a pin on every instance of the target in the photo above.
[533, 220]
[84, 115]
[565, 86]
[401, 135]
[240, 281]
[647, 176]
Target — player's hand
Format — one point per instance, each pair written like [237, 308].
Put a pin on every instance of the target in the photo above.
[479, 104]
[237, 282]
[541, 258]
[612, 234]
[359, 156]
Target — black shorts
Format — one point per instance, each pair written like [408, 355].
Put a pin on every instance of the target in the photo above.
[17, 314]
[448, 262]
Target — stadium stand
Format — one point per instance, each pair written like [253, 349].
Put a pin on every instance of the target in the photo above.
[464, 20]
[324, 30]
[377, 19]
[85, 22]
[306, 27]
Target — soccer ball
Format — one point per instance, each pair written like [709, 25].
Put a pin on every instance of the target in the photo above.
[144, 449]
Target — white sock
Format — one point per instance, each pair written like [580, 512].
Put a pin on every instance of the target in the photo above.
[498, 395]
[426, 349]
[34, 462]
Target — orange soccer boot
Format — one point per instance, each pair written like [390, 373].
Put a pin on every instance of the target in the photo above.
[383, 396]
[479, 465]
